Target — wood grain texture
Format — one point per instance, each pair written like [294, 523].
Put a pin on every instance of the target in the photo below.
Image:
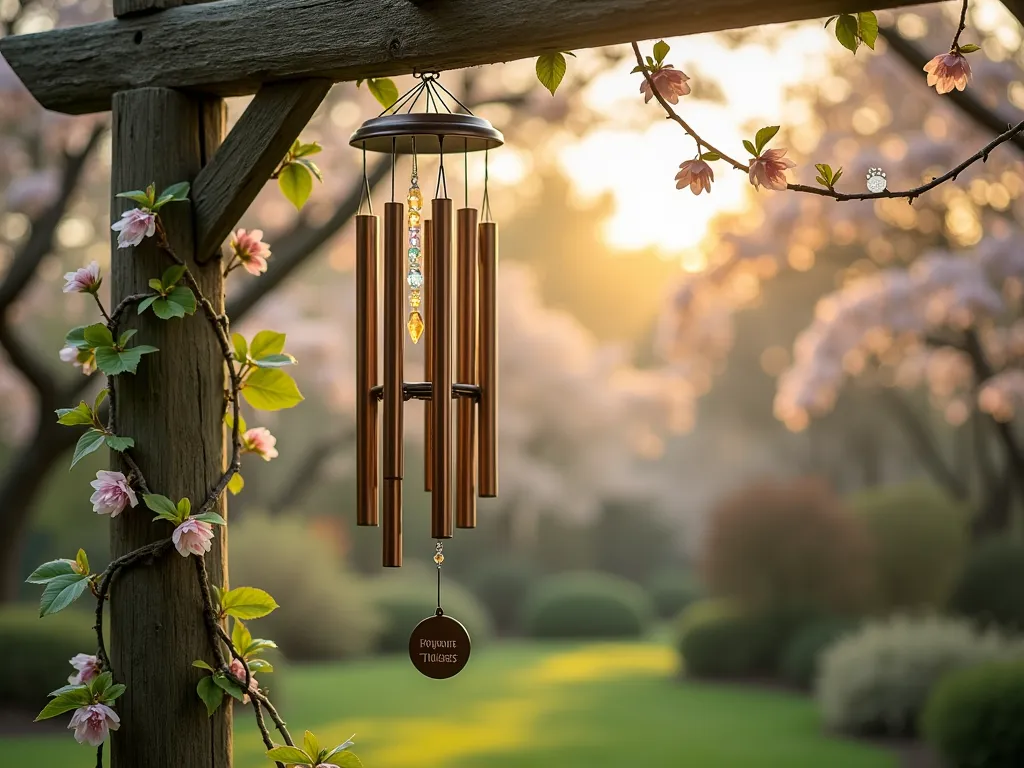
[231, 47]
[129, 7]
[226, 187]
[172, 408]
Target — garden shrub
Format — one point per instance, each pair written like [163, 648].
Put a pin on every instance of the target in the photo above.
[308, 580]
[404, 598]
[801, 657]
[502, 586]
[788, 544]
[877, 680]
[919, 537]
[729, 643]
[671, 591]
[991, 588]
[40, 650]
[587, 605]
[975, 716]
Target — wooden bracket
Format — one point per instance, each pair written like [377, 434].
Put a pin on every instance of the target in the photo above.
[226, 187]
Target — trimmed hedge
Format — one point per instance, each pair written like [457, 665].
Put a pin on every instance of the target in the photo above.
[502, 586]
[975, 717]
[39, 650]
[672, 591]
[991, 588]
[802, 656]
[587, 605]
[876, 681]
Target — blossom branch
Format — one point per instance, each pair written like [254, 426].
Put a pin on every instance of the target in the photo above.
[960, 28]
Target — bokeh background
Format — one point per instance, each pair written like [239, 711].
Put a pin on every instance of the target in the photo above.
[762, 469]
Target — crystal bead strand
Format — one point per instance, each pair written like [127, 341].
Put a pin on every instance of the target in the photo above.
[415, 202]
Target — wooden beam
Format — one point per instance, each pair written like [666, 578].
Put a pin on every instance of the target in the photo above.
[226, 187]
[132, 7]
[172, 408]
[231, 47]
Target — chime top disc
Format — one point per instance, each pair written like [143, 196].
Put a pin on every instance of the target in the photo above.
[429, 133]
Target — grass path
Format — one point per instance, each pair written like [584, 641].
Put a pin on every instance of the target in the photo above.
[527, 706]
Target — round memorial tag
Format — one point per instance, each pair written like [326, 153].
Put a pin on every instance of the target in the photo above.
[439, 647]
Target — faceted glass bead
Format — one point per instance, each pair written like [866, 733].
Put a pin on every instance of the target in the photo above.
[414, 240]
[415, 298]
[414, 218]
[414, 252]
[438, 558]
[415, 199]
[414, 232]
[415, 279]
[415, 326]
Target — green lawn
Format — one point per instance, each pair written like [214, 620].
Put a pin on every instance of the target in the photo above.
[525, 706]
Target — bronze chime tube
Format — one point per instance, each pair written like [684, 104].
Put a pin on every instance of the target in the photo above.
[394, 347]
[465, 368]
[428, 354]
[488, 350]
[441, 379]
[367, 257]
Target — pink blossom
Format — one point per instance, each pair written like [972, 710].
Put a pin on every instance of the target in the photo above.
[134, 225]
[258, 440]
[670, 82]
[80, 358]
[769, 169]
[113, 493]
[948, 71]
[239, 672]
[88, 667]
[696, 174]
[84, 280]
[193, 537]
[250, 249]
[91, 723]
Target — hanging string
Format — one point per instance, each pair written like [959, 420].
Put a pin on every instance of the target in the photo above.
[486, 204]
[366, 187]
[415, 161]
[442, 182]
[439, 558]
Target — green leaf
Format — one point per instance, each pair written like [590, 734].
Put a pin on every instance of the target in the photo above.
[259, 665]
[969, 48]
[275, 361]
[296, 183]
[82, 560]
[384, 90]
[112, 362]
[847, 32]
[66, 688]
[51, 570]
[311, 745]
[210, 517]
[765, 135]
[241, 348]
[87, 443]
[304, 150]
[258, 646]
[137, 195]
[210, 693]
[100, 397]
[346, 760]
[550, 70]
[98, 335]
[661, 50]
[228, 686]
[267, 343]
[200, 664]
[271, 389]
[172, 275]
[176, 192]
[312, 168]
[164, 507]
[829, 20]
[146, 302]
[711, 156]
[247, 603]
[836, 175]
[184, 508]
[868, 28]
[230, 421]
[749, 147]
[60, 592]
[74, 417]
[112, 693]
[156, 284]
[636, 69]
[241, 638]
[125, 337]
[183, 297]
[166, 310]
[76, 338]
[119, 444]
[100, 683]
[290, 756]
[236, 484]
[79, 697]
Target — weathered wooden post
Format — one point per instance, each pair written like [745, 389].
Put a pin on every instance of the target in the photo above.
[172, 409]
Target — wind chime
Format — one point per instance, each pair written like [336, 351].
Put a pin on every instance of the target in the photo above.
[418, 253]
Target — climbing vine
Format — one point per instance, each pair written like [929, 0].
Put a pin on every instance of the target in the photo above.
[256, 374]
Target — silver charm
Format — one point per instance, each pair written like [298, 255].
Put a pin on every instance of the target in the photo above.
[876, 180]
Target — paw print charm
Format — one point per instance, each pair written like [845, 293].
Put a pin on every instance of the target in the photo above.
[876, 180]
